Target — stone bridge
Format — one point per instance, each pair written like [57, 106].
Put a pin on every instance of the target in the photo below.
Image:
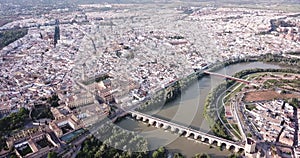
[187, 132]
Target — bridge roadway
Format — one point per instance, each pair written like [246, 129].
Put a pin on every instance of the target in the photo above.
[187, 132]
[227, 76]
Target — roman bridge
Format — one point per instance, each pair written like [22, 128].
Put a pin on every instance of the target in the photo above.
[187, 132]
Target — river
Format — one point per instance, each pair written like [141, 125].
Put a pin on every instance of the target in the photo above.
[187, 109]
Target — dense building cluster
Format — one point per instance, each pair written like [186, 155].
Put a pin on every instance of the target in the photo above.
[94, 61]
[146, 56]
[275, 121]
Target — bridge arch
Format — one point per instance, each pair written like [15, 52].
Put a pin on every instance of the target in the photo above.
[161, 125]
[154, 123]
[240, 150]
[205, 140]
[215, 142]
[190, 134]
[231, 147]
[182, 132]
[223, 146]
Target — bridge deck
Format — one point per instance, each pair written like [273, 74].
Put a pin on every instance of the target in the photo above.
[227, 76]
[185, 128]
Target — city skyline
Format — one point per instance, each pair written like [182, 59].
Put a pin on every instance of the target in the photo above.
[149, 78]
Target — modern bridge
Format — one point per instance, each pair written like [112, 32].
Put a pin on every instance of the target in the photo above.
[227, 76]
[187, 132]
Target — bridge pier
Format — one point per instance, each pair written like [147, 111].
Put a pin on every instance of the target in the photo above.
[165, 126]
[144, 119]
[236, 149]
[228, 146]
[133, 115]
[187, 134]
[173, 129]
[202, 139]
[219, 143]
[151, 122]
[157, 125]
[138, 117]
[196, 136]
[180, 132]
[210, 141]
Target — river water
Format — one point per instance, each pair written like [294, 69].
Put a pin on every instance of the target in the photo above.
[187, 109]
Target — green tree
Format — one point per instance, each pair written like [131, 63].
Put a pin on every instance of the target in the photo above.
[233, 156]
[294, 102]
[155, 154]
[52, 155]
[161, 150]
[203, 155]
[178, 155]
[98, 154]
[53, 101]
[9, 36]
[249, 135]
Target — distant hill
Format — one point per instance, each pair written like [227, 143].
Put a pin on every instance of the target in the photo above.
[60, 2]
[32, 2]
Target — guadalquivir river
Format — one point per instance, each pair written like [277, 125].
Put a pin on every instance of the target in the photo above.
[187, 110]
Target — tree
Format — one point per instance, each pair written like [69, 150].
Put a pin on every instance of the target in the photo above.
[13, 156]
[178, 155]
[204, 155]
[53, 101]
[249, 135]
[294, 102]
[102, 147]
[233, 156]
[155, 154]
[52, 155]
[9, 36]
[23, 112]
[98, 154]
[161, 150]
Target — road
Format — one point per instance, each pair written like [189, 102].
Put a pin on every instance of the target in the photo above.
[217, 107]
[241, 127]
[243, 136]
